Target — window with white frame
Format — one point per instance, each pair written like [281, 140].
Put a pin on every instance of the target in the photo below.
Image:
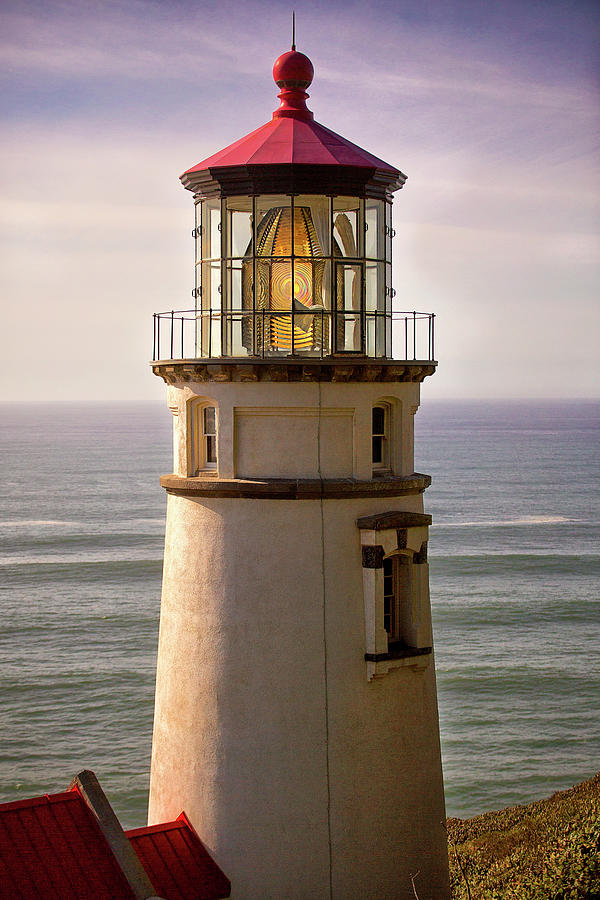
[207, 438]
[396, 591]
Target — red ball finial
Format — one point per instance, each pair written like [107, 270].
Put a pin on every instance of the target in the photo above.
[293, 71]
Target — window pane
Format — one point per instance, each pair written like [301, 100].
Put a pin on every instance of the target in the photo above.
[377, 449]
[374, 287]
[273, 211]
[374, 229]
[234, 286]
[211, 449]
[215, 286]
[209, 420]
[388, 595]
[319, 210]
[198, 232]
[239, 220]
[211, 284]
[388, 232]
[370, 335]
[348, 287]
[378, 420]
[215, 232]
[346, 231]
[211, 229]
[348, 332]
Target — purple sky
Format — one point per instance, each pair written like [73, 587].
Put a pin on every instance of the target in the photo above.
[492, 109]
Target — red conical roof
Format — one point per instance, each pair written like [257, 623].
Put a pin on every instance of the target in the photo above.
[294, 141]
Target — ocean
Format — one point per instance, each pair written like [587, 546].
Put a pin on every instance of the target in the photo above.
[514, 558]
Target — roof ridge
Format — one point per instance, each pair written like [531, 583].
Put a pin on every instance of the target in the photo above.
[42, 800]
[152, 829]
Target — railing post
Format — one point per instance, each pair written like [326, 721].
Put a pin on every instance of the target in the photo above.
[405, 337]
[172, 315]
[293, 317]
[158, 336]
[182, 354]
[414, 334]
[432, 336]
[429, 336]
[154, 337]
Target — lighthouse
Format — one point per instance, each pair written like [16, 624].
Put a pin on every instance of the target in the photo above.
[296, 711]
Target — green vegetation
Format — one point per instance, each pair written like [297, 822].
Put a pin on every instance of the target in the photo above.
[549, 850]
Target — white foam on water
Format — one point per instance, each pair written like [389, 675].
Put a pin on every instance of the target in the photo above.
[499, 523]
[32, 523]
[75, 559]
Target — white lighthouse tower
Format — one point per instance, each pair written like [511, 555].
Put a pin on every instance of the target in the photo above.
[296, 713]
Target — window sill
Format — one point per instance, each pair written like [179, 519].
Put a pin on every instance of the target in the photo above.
[398, 656]
[383, 472]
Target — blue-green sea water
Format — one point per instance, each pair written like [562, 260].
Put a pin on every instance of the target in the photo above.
[515, 567]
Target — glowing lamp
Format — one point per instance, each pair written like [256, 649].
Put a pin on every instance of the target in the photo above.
[288, 299]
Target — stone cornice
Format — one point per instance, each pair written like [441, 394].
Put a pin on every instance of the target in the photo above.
[393, 519]
[295, 489]
[344, 370]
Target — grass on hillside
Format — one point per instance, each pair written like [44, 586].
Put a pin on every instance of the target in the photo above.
[549, 850]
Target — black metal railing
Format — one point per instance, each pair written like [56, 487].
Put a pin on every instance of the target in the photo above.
[194, 334]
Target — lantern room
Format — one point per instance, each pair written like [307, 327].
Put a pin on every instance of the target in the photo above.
[293, 246]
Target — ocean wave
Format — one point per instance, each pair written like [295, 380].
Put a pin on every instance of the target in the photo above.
[500, 523]
[96, 542]
[33, 565]
[34, 523]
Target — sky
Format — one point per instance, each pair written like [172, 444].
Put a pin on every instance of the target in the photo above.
[491, 109]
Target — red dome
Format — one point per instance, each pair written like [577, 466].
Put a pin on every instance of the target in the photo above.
[293, 69]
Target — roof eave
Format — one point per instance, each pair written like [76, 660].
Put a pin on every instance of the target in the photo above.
[293, 178]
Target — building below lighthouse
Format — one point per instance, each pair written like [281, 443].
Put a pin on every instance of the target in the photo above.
[296, 711]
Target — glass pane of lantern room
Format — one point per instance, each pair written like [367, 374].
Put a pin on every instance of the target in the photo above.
[198, 232]
[348, 332]
[319, 223]
[347, 234]
[234, 322]
[348, 287]
[374, 287]
[273, 225]
[348, 324]
[211, 229]
[374, 229]
[239, 227]
[211, 309]
[388, 232]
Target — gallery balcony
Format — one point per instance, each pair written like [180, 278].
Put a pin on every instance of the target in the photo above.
[295, 335]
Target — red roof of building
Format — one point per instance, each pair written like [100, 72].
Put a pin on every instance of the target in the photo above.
[177, 862]
[70, 846]
[52, 847]
[294, 142]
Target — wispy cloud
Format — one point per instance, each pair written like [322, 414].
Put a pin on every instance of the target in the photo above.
[107, 102]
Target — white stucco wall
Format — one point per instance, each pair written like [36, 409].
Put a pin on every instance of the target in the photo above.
[304, 779]
[312, 419]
